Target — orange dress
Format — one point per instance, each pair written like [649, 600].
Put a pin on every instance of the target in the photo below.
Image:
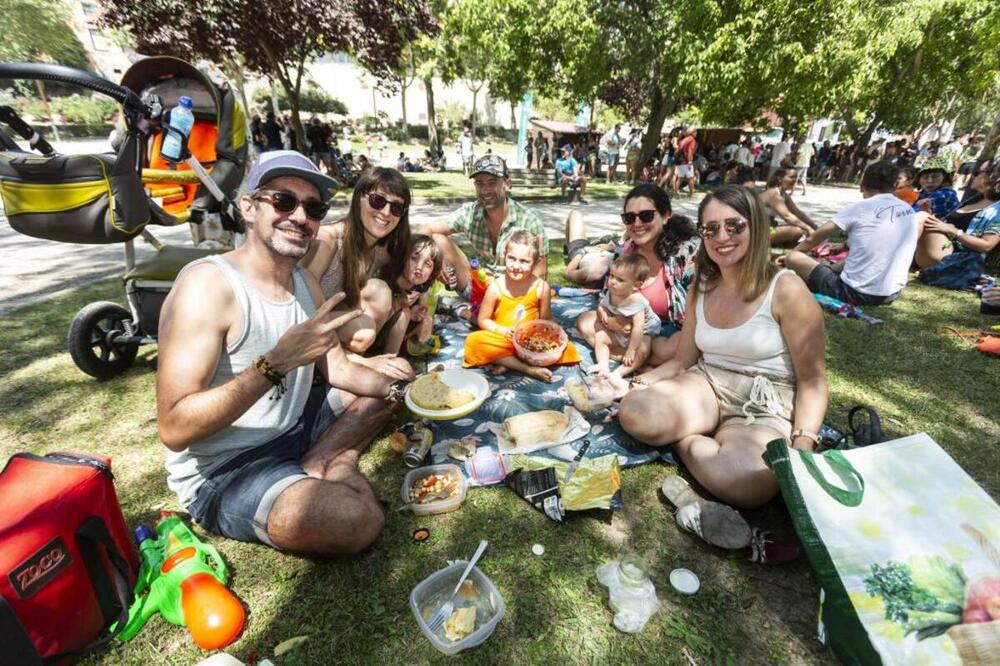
[483, 347]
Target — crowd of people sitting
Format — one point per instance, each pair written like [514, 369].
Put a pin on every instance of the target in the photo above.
[279, 361]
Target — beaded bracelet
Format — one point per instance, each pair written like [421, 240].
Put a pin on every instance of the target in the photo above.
[267, 371]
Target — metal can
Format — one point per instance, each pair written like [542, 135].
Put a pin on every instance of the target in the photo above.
[420, 438]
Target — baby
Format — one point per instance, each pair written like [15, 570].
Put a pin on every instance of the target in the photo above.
[515, 297]
[622, 297]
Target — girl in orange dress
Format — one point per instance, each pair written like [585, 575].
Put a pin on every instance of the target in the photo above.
[515, 297]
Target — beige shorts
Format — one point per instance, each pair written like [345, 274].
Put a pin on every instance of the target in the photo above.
[748, 400]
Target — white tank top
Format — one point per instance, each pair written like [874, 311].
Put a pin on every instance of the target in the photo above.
[264, 321]
[754, 347]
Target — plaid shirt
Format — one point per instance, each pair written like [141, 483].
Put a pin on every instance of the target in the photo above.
[943, 200]
[470, 219]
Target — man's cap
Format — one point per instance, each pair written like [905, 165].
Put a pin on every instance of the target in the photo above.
[567, 148]
[936, 163]
[278, 163]
[494, 165]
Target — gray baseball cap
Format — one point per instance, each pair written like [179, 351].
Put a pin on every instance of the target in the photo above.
[277, 163]
[494, 165]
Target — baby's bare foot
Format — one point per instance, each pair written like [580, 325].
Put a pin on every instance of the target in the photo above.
[497, 370]
[541, 373]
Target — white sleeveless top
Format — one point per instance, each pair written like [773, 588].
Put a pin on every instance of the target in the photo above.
[754, 347]
[264, 322]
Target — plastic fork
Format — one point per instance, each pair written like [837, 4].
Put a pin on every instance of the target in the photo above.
[448, 607]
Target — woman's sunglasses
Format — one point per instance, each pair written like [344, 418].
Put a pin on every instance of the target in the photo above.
[378, 202]
[734, 227]
[646, 216]
[286, 202]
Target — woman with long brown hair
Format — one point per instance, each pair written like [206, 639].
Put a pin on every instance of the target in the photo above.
[350, 254]
[789, 224]
[749, 367]
[669, 243]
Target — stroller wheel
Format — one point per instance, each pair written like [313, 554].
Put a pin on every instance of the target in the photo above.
[92, 340]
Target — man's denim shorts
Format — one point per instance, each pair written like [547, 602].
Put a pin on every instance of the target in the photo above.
[236, 498]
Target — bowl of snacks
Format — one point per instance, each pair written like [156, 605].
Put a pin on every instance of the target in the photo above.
[478, 608]
[434, 489]
[539, 342]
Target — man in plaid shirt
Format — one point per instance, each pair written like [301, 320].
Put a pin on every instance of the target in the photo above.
[487, 222]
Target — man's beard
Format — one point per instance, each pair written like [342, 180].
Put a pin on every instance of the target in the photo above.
[283, 247]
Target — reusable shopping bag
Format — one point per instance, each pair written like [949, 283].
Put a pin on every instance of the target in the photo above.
[905, 546]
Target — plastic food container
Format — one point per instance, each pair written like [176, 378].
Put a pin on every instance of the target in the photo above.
[443, 505]
[539, 328]
[431, 592]
[584, 400]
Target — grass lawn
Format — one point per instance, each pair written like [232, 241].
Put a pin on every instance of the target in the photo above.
[355, 610]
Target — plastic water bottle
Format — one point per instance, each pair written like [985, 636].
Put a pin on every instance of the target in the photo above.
[182, 120]
[571, 292]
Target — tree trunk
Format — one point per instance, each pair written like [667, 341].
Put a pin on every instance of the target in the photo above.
[233, 68]
[860, 152]
[40, 85]
[475, 94]
[432, 132]
[402, 97]
[659, 107]
[513, 115]
[992, 140]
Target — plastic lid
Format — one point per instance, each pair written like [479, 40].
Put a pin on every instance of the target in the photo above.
[538, 549]
[684, 581]
[186, 102]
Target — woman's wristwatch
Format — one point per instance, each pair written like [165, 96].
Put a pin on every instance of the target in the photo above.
[808, 434]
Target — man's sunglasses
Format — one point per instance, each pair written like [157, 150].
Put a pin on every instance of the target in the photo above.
[378, 202]
[734, 227]
[646, 216]
[286, 202]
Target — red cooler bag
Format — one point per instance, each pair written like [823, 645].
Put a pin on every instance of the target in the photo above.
[67, 565]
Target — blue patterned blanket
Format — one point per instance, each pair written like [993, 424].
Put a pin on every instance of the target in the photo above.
[513, 393]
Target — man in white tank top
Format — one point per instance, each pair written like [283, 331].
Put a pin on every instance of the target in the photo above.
[256, 449]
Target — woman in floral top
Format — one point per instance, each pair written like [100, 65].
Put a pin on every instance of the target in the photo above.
[982, 235]
[669, 243]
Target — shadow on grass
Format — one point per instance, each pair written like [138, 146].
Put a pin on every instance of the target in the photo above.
[355, 610]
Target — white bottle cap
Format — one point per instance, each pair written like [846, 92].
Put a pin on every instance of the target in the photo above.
[684, 581]
[538, 549]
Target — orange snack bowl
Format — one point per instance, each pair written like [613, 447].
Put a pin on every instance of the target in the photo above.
[539, 332]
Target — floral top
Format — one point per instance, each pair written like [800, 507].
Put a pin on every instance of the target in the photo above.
[668, 293]
[943, 200]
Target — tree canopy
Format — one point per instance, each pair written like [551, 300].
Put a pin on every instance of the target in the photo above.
[275, 38]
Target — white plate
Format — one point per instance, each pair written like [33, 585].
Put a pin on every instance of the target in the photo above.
[458, 378]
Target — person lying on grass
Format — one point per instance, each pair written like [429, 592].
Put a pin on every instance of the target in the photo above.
[515, 297]
[623, 299]
[257, 451]
[749, 368]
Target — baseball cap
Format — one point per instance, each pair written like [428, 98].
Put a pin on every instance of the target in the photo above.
[277, 163]
[568, 148]
[494, 165]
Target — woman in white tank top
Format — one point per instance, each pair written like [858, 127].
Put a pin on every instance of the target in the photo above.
[750, 365]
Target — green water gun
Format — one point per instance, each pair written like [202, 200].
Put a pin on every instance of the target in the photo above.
[183, 579]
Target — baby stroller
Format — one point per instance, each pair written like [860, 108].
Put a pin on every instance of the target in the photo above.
[116, 197]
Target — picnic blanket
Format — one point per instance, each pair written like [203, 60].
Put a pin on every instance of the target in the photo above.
[844, 310]
[513, 393]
